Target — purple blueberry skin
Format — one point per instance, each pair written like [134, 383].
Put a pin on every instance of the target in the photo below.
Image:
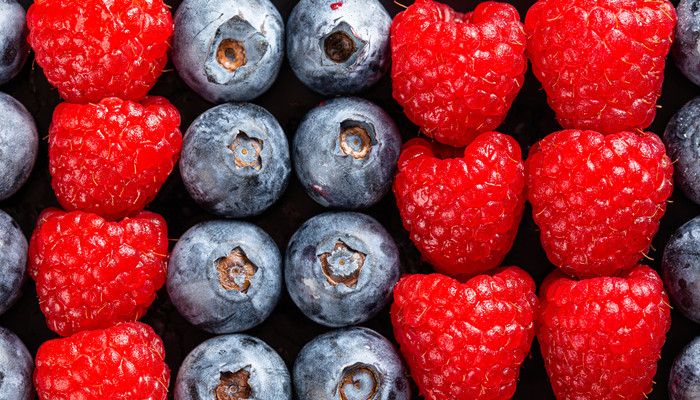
[16, 368]
[13, 261]
[14, 47]
[684, 381]
[340, 268]
[19, 144]
[682, 140]
[681, 269]
[354, 362]
[209, 364]
[208, 33]
[334, 170]
[235, 160]
[364, 25]
[685, 48]
[219, 297]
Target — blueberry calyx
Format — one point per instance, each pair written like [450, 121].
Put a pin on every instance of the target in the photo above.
[359, 381]
[342, 264]
[234, 385]
[355, 140]
[341, 45]
[247, 151]
[236, 270]
[231, 55]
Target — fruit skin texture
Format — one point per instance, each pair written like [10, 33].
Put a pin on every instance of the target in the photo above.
[92, 49]
[13, 261]
[111, 158]
[14, 47]
[124, 361]
[685, 46]
[16, 368]
[92, 274]
[601, 63]
[456, 75]
[681, 269]
[19, 144]
[597, 199]
[462, 211]
[681, 139]
[601, 337]
[465, 340]
[684, 380]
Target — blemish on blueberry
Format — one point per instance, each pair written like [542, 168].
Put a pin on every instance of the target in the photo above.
[342, 264]
[231, 55]
[234, 385]
[235, 270]
[359, 381]
[246, 151]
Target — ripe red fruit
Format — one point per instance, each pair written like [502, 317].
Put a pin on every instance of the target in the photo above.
[601, 63]
[601, 337]
[462, 213]
[456, 75]
[597, 199]
[92, 49]
[465, 340]
[111, 158]
[93, 274]
[122, 362]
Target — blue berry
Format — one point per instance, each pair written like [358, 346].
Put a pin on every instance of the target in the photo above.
[233, 366]
[340, 268]
[13, 261]
[350, 363]
[681, 268]
[345, 153]
[682, 140]
[14, 47]
[228, 50]
[339, 46]
[684, 381]
[235, 160]
[16, 368]
[686, 50]
[19, 144]
[225, 276]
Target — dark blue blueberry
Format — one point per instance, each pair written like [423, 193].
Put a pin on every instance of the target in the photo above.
[225, 276]
[339, 47]
[682, 140]
[234, 366]
[16, 368]
[235, 160]
[341, 267]
[684, 381]
[13, 261]
[345, 153]
[686, 50]
[681, 268]
[228, 50]
[14, 47]
[19, 144]
[352, 364]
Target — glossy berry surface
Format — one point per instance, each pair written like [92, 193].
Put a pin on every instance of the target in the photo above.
[345, 152]
[455, 74]
[14, 47]
[598, 199]
[350, 363]
[228, 50]
[92, 49]
[13, 261]
[339, 47]
[235, 160]
[601, 338]
[685, 46]
[465, 340]
[225, 276]
[235, 366]
[681, 138]
[86, 365]
[19, 144]
[681, 269]
[91, 273]
[601, 63]
[462, 209]
[16, 368]
[340, 268]
[684, 380]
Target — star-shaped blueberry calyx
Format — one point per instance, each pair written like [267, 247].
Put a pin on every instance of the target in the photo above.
[234, 385]
[342, 264]
[246, 151]
[235, 270]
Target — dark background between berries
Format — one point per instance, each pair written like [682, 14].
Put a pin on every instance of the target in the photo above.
[287, 329]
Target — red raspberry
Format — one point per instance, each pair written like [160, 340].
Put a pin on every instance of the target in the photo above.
[601, 62]
[462, 213]
[122, 362]
[601, 337]
[93, 274]
[111, 158]
[465, 340]
[456, 75]
[598, 199]
[92, 49]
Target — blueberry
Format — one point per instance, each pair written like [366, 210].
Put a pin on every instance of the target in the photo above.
[341, 267]
[14, 47]
[684, 381]
[228, 50]
[351, 363]
[225, 276]
[682, 140]
[685, 49]
[16, 368]
[339, 46]
[19, 144]
[681, 268]
[235, 160]
[345, 153]
[233, 366]
[13, 261]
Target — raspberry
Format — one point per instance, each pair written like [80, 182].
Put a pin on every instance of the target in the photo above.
[601, 63]
[465, 341]
[456, 75]
[111, 158]
[601, 337]
[92, 49]
[93, 274]
[597, 199]
[462, 213]
[122, 362]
